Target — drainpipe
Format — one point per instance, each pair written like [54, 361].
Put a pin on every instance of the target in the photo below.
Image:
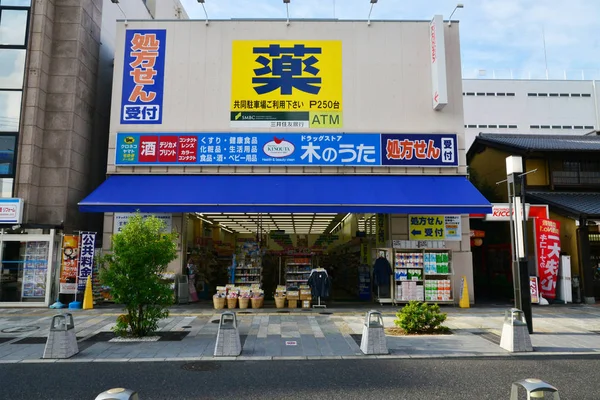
[596, 105]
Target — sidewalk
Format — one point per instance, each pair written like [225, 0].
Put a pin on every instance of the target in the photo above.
[269, 334]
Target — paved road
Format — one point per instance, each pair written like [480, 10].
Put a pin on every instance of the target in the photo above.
[474, 378]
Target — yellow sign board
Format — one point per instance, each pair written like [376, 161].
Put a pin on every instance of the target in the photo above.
[426, 227]
[289, 80]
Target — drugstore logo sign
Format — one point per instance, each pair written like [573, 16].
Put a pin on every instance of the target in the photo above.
[278, 148]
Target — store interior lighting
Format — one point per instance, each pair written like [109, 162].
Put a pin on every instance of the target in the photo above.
[301, 223]
[339, 223]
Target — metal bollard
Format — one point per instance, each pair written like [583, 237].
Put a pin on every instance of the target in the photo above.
[118, 394]
[228, 337]
[61, 342]
[373, 339]
[536, 389]
[515, 335]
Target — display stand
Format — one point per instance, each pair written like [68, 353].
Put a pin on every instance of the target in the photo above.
[423, 275]
[297, 269]
[387, 253]
[247, 265]
[318, 305]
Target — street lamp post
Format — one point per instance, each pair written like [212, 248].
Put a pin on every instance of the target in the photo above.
[518, 228]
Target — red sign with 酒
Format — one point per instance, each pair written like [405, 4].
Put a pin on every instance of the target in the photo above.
[547, 235]
[148, 149]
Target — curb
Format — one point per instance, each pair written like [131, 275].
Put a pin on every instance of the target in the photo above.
[300, 358]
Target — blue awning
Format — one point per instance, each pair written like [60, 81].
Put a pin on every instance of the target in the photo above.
[394, 194]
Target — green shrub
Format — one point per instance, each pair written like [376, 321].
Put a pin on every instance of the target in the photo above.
[417, 317]
[139, 255]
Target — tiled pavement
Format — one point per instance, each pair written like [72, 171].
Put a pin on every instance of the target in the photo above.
[266, 334]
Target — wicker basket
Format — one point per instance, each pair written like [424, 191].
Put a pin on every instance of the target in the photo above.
[257, 302]
[232, 303]
[244, 302]
[280, 302]
[292, 303]
[219, 303]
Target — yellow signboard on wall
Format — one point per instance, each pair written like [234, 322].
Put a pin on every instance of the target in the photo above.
[435, 227]
[426, 227]
[286, 83]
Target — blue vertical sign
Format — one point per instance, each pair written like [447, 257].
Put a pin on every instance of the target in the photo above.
[143, 76]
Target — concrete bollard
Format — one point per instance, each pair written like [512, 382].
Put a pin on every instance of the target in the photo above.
[61, 342]
[536, 389]
[515, 335]
[373, 338]
[228, 337]
[118, 394]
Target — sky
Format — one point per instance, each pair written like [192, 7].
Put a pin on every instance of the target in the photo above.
[496, 35]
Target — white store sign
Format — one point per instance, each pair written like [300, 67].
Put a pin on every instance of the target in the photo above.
[121, 219]
[11, 211]
[437, 47]
[501, 212]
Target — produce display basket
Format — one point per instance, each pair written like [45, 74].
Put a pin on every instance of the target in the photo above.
[244, 302]
[232, 303]
[292, 303]
[219, 303]
[257, 302]
[279, 302]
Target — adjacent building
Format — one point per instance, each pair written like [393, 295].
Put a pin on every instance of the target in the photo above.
[541, 107]
[563, 172]
[56, 62]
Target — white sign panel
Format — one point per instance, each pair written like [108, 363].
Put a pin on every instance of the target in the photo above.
[121, 220]
[437, 46]
[11, 211]
[501, 212]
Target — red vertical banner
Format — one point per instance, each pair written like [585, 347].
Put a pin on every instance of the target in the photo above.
[188, 149]
[547, 235]
[167, 149]
[148, 149]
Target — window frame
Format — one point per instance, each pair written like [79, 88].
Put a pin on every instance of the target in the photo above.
[27, 10]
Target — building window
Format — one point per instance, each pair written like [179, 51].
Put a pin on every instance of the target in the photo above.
[575, 95]
[503, 126]
[564, 95]
[545, 126]
[14, 28]
[534, 127]
[510, 94]
[589, 127]
[586, 95]
[512, 126]
[471, 126]
[532, 94]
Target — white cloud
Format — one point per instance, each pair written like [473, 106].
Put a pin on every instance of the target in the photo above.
[495, 34]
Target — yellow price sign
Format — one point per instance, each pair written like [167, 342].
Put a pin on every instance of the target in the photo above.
[276, 76]
[426, 227]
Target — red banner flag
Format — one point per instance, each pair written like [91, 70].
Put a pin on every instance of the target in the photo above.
[547, 235]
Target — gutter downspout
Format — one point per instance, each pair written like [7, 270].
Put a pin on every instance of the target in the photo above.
[596, 106]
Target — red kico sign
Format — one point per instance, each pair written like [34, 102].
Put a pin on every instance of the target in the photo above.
[501, 212]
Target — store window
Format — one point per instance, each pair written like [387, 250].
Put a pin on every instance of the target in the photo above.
[10, 110]
[23, 271]
[8, 146]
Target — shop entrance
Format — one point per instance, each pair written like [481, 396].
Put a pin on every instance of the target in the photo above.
[281, 250]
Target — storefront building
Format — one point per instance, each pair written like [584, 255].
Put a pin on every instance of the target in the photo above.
[312, 140]
[562, 176]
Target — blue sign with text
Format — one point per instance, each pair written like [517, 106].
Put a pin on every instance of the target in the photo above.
[249, 149]
[143, 76]
[305, 149]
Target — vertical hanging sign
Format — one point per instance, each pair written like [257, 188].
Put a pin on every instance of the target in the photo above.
[437, 54]
[86, 258]
[381, 230]
[69, 263]
[547, 235]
